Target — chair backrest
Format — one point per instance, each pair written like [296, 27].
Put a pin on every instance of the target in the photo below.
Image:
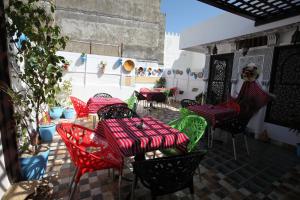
[79, 106]
[132, 102]
[187, 102]
[168, 174]
[116, 111]
[193, 126]
[103, 95]
[78, 139]
[139, 96]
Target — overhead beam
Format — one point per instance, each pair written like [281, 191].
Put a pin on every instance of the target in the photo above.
[229, 8]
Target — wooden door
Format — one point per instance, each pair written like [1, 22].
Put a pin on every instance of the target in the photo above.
[219, 82]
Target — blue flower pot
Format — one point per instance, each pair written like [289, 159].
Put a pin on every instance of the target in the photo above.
[69, 113]
[47, 132]
[56, 112]
[33, 168]
[83, 58]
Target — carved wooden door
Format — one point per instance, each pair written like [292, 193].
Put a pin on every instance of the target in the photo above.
[284, 110]
[219, 82]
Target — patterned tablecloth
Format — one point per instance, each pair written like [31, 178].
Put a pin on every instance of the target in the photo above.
[213, 114]
[149, 93]
[95, 103]
[126, 137]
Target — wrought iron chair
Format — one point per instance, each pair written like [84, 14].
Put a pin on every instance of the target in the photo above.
[159, 98]
[187, 102]
[140, 98]
[168, 174]
[171, 94]
[80, 107]
[103, 95]
[88, 152]
[116, 111]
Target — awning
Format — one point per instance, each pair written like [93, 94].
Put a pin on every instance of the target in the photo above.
[261, 11]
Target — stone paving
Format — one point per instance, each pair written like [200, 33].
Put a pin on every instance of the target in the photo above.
[270, 172]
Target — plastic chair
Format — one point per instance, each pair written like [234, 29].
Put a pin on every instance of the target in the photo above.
[187, 102]
[80, 107]
[88, 152]
[103, 95]
[168, 174]
[193, 126]
[117, 111]
[132, 102]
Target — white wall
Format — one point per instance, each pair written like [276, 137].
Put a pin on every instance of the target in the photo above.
[86, 80]
[226, 26]
[176, 59]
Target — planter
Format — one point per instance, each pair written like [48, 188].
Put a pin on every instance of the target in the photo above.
[298, 149]
[47, 132]
[56, 112]
[33, 168]
[69, 113]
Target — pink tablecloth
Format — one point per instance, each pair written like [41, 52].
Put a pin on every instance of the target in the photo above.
[126, 138]
[147, 93]
[213, 114]
[95, 103]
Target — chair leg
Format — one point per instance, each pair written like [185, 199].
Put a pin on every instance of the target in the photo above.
[246, 144]
[75, 173]
[133, 187]
[234, 150]
[199, 173]
[212, 137]
[120, 181]
[73, 191]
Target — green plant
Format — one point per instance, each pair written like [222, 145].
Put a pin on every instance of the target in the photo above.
[37, 69]
[63, 91]
[160, 83]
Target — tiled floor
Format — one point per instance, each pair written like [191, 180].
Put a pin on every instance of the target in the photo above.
[270, 172]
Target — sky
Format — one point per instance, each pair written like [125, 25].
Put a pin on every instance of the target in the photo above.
[182, 14]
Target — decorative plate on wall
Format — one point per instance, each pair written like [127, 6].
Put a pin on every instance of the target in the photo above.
[128, 65]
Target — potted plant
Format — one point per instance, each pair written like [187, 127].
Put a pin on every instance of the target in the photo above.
[47, 128]
[36, 70]
[83, 57]
[64, 98]
[160, 83]
[101, 68]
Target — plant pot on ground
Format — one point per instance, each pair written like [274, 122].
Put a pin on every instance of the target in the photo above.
[69, 113]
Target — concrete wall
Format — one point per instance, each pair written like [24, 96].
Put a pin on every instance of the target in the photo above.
[135, 25]
[176, 59]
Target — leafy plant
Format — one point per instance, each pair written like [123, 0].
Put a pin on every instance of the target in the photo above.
[160, 83]
[35, 65]
[63, 91]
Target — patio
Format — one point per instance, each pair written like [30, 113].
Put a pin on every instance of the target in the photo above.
[271, 172]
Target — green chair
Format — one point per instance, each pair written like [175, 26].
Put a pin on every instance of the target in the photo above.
[193, 126]
[132, 102]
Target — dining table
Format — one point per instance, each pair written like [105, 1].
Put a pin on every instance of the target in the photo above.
[136, 136]
[214, 115]
[95, 103]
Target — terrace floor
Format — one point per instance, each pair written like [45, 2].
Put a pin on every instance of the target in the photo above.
[270, 172]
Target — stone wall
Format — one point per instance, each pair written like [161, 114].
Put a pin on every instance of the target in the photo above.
[128, 28]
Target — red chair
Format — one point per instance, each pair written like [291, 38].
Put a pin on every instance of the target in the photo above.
[88, 152]
[80, 107]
